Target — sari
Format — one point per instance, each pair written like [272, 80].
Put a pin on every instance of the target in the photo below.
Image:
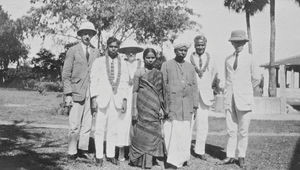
[147, 140]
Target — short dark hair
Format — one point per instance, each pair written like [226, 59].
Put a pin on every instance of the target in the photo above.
[111, 40]
[147, 51]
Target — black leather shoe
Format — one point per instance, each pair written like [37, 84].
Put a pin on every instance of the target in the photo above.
[85, 155]
[242, 163]
[99, 162]
[228, 160]
[113, 161]
[202, 157]
[72, 157]
[187, 163]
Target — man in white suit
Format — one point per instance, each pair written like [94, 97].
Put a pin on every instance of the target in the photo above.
[109, 83]
[206, 71]
[240, 78]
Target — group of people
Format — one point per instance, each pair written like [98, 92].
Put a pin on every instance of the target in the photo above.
[153, 108]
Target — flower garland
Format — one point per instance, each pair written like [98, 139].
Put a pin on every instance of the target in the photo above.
[114, 85]
[200, 71]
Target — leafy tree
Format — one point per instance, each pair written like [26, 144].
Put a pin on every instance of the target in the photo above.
[250, 7]
[11, 44]
[148, 20]
[46, 66]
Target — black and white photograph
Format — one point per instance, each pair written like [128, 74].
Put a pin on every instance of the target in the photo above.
[149, 84]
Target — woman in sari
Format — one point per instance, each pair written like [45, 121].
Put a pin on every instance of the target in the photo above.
[147, 140]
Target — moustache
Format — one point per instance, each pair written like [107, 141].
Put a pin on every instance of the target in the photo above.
[87, 38]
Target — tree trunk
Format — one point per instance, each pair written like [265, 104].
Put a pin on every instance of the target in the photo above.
[249, 32]
[99, 38]
[272, 70]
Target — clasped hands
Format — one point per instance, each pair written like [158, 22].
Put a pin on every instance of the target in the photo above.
[170, 117]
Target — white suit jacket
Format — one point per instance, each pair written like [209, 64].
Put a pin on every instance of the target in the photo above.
[205, 83]
[101, 87]
[239, 83]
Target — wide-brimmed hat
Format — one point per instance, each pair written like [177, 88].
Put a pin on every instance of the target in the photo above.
[87, 26]
[238, 35]
[130, 46]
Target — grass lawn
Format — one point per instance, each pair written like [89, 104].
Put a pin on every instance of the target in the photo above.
[30, 106]
[41, 148]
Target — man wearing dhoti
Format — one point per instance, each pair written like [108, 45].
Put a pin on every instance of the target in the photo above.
[109, 83]
[182, 103]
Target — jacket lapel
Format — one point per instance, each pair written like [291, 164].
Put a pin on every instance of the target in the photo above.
[230, 63]
[93, 53]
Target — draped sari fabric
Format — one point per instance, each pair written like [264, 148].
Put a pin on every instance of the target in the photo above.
[147, 139]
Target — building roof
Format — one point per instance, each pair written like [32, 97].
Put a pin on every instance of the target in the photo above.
[295, 60]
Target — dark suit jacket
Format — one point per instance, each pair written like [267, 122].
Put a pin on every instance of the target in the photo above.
[181, 96]
[76, 71]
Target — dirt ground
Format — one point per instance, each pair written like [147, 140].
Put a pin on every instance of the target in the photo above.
[24, 147]
[38, 148]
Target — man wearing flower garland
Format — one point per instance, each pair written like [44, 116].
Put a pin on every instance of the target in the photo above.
[109, 82]
[76, 81]
[205, 71]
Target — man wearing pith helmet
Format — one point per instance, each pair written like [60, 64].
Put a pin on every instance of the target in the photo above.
[240, 78]
[76, 83]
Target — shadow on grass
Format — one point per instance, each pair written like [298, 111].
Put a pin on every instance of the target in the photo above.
[295, 162]
[212, 150]
[19, 145]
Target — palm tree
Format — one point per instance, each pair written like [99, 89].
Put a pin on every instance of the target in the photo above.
[272, 70]
[250, 7]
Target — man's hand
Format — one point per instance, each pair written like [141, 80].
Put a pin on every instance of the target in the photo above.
[94, 105]
[133, 120]
[124, 106]
[68, 101]
[170, 117]
[195, 112]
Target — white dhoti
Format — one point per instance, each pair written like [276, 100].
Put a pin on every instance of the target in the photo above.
[106, 120]
[178, 135]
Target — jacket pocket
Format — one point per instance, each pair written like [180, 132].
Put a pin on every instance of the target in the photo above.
[75, 80]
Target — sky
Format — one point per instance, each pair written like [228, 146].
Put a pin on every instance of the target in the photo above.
[217, 23]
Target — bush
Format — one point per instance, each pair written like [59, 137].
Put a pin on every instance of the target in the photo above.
[49, 86]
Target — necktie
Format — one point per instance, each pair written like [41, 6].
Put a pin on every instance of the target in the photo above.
[112, 70]
[235, 61]
[87, 54]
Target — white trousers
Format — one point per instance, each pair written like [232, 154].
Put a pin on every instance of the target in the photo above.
[178, 136]
[201, 127]
[106, 119]
[237, 128]
[124, 124]
[80, 124]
